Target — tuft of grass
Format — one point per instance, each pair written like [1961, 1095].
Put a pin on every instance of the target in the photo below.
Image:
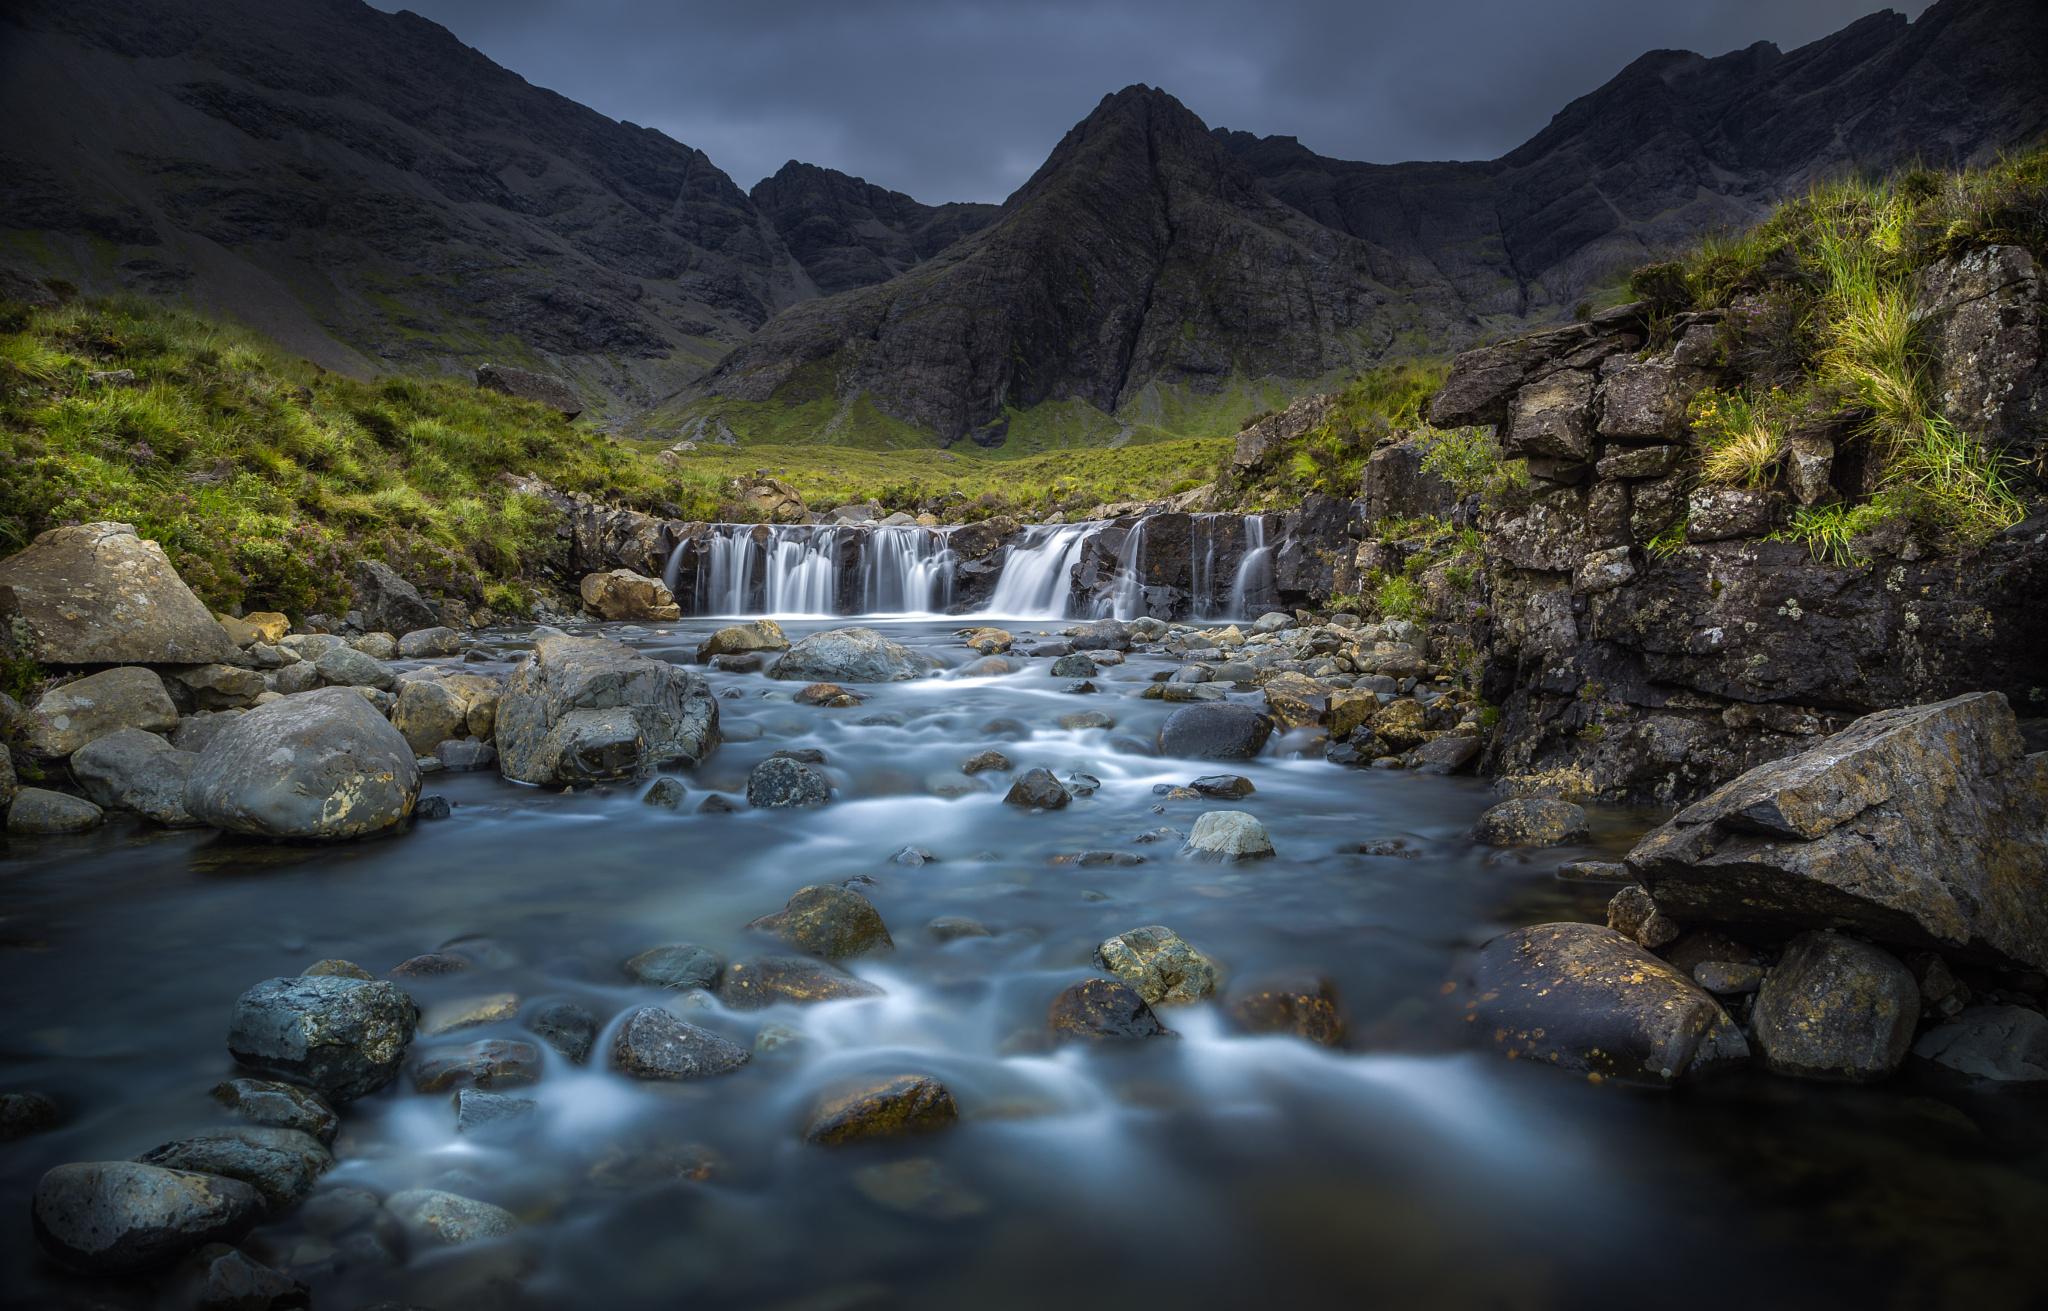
[1398, 596]
[1330, 457]
[1470, 460]
[1741, 436]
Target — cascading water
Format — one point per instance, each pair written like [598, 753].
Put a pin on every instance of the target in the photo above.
[1037, 581]
[1126, 599]
[906, 570]
[742, 569]
[1254, 580]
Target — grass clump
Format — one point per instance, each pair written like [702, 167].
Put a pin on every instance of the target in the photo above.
[1740, 434]
[1330, 456]
[1470, 460]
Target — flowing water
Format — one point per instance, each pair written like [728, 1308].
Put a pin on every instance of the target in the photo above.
[1215, 1169]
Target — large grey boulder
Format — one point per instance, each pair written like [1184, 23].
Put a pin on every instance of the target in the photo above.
[119, 1217]
[321, 765]
[39, 812]
[1216, 731]
[343, 1037]
[97, 594]
[1835, 1008]
[851, 655]
[345, 666]
[389, 603]
[1925, 826]
[138, 771]
[584, 709]
[540, 388]
[66, 718]
[1583, 997]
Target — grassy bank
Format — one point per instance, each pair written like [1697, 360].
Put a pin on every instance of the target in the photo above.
[1821, 327]
[263, 475]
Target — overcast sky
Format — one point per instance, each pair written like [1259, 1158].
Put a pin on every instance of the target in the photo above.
[962, 101]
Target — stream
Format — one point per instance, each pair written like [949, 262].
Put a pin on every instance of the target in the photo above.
[1401, 1168]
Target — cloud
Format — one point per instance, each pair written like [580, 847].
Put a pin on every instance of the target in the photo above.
[962, 100]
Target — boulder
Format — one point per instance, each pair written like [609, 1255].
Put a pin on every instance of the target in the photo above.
[767, 499]
[218, 687]
[429, 643]
[1214, 731]
[581, 710]
[1037, 789]
[1835, 1008]
[1304, 1005]
[778, 783]
[345, 666]
[431, 1217]
[1103, 1008]
[653, 1044]
[429, 712]
[322, 765]
[281, 1164]
[342, 1037]
[1531, 822]
[678, 965]
[830, 921]
[894, 1107]
[765, 980]
[566, 1026]
[222, 1278]
[540, 388]
[120, 1217]
[1925, 826]
[742, 639]
[39, 812]
[279, 1106]
[2006, 1044]
[1159, 963]
[388, 603]
[1585, 998]
[138, 771]
[622, 594]
[479, 1112]
[96, 594]
[1398, 487]
[66, 718]
[1228, 835]
[851, 655]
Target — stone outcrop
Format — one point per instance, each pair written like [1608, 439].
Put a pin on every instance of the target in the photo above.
[580, 710]
[97, 594]
[540, 388]
[1925, 826]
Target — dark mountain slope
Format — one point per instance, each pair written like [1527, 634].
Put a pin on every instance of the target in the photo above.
[1141, 252]
[1678, 144]
[847, 232]
[369, 189]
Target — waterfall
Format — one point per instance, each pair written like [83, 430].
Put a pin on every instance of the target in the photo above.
[1204, 602]
[1037, 581]
[1127, 597]
[906, 570]
[1254, 572]
[742, 569]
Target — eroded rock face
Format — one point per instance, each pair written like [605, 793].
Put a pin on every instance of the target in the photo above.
[1585, 998]
[1926, 826]
[582, 710]
[97, 594]
[1981, 319]
[322, 765]
[119, 1217]
[344, 1037]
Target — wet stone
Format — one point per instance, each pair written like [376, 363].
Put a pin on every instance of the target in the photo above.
[23, 1114]
[678, 965]
[281, 1164]
[1228, 835]
[492, 1063]
[832, 922]
[279, 1105]
[1037, 789]
[492, 1113]
[1304, 1005]
[120, 1217]
[951, 928]
[1103, 1008]
[432, 1217]
[1531, 822]
[566, 1026]
[1223, 787]
[653, 1044]
[1160, 964]
[1835, 1008]
[894, 1107]
[344, 1037]
[779, 783]
[667, 793]
[766, 980]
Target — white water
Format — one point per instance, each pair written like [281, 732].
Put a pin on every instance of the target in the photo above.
[792, 570]
[1255, 570]
[1127, 598]
[1038, 572]
[906, 570]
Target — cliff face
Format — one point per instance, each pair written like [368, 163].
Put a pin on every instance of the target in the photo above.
[847, 232]
[371, 191]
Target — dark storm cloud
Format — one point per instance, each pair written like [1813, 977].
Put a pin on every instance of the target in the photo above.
[956, 101]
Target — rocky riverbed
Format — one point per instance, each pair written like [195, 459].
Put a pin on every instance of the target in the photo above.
[808, 962]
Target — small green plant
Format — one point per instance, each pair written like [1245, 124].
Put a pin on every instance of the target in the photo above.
[1399, 597]
[1741, 435]
[1470, 460]
[1669, 541]
[20, 677]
